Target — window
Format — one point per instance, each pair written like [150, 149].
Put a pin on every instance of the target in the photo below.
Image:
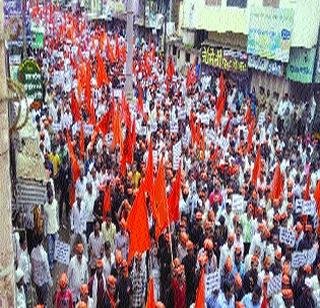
[187, 57]
[273, 3]
[237, 3]
[174, 50]
[213, 2]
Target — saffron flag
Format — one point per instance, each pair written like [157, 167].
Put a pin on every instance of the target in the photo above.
[106, 203]
[306, 192]
[277, 183]
[256, 171]
[137, 226]
[150, 300]
[174, 198]
[200, 296]
[75, 108]
[159, 206]
[140, 99]
[75, 169]
[102, 77]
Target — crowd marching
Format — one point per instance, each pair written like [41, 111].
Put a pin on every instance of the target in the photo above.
[181, 197]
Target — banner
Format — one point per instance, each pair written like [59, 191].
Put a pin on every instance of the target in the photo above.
[226, 59]
[29, 75]
[301, 63]
[265, 65]
[12, 8]
[62, 252]
[270, 32]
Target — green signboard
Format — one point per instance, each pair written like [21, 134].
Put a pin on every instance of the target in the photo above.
[29, 74]
[301, 63]
[270, 32]
[37, 33]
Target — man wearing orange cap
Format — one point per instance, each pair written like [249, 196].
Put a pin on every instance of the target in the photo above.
[95, 245]
[181, 247]
[84, 296]
[207, 252]
[63, 297]
[110, 296]
[77, 271]
[97, 285]
[178, 285]
[227, 250]
[196, 233]
[238, 267]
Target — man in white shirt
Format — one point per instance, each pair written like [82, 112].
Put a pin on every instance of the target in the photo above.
[51, 212]
[78, 222]
[95, 245]
[77, 272]
[89, 199]
[20, 295]
[108, 230]
[40, 271]
[24, 264]
[227, 250]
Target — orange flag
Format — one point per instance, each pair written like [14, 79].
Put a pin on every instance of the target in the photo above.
[75, 108]
[174, 198]
[82, 141]
[317, 197]
[126, 115]
[140, 99]
[220, 108]
[247, 117]
[106, 203]
[170, 69]
[137, 225]
[277, 183]
[159, 206]
[148, 181]
[73, 160]
[256, 168]
[116, 128]
[250, 135]
[200, 296]
[150, 300]
[105, 121]
[306, 192]
[192, 128]
[102, 77]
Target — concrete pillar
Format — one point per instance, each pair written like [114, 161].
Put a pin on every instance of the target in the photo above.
[7, 277]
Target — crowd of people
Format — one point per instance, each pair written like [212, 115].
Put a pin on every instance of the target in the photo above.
[245, 231]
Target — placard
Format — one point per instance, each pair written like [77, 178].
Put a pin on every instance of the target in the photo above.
[262, 119]
[213, 282]
[287, 236]
[56, 127]
[177, 150]
[142, 131]
[62, 252]
[311, 255]
[298, 259]
[153, 126]
[298, 208]
[309, 207]
[182, 114]
[237, 203]
[174, 127]
[205, 119]
[274, 285]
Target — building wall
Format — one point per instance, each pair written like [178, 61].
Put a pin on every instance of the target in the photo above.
[223, 18]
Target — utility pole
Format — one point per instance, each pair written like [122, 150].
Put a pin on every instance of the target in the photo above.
[129, 34]
[7, 273]
[165, 36]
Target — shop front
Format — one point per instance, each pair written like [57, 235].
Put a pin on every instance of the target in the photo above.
[233, 63]
[268, 75]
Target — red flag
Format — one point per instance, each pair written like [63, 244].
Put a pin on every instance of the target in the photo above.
[133, 135]
[106, 203]
[250, 135]
[126, 114]
[256, 168]
[226, 128]
[317, 197]
[170, 69]
[102, 77]
[221, 100]
[102, 40]
[174, 198]
[200, 296]
[105, 121]
[192, 128]
[247, 117]
[277, 183]
[137, 225]
[306, 192]
[150, 300]
[82, 141]
[75, 108]
[127, 152]
[140, 100]
[110, 52]
[159, 206]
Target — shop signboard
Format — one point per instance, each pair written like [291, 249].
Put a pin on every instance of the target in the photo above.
[29, 75]
[270, 32]
[223, 58]
[301, 63]
[275, 68]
